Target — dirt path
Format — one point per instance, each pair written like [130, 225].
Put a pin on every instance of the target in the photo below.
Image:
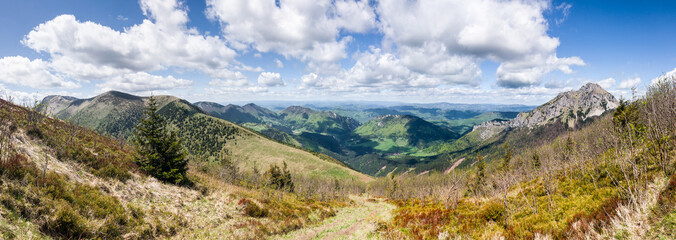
[357, 222]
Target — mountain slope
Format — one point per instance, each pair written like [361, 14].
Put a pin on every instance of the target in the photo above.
[230, 112]
[409, 129]
[305, 119]
[205, 137]
[62, 181]
[569, 108]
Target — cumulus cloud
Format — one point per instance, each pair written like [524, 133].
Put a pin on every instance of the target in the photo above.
[32, 73]
[307, 30]
[529, 70]
[441, 42]
[606, 83]
[279, 63]
[668, 75]
[629, 83]
[379, 69]
[269, 79]
[143, 82]
[82, 49]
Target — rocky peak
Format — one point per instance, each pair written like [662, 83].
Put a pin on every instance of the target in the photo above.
[570, 107]
[589, 101]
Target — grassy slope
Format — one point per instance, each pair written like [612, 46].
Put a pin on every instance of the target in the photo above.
[92, 190]
[401, 134]
[303, 119]
[592, 182]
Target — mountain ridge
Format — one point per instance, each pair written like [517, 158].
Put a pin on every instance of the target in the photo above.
[570, 107]
[205, 137]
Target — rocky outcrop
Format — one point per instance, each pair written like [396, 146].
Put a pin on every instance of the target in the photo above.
[570, 107]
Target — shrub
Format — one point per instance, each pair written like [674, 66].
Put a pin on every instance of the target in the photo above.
[114, 172]
[494, 211]
[252, 209]
[17, 166]
[666, 201]
[34, 132]
[67, 224]
[281, 179]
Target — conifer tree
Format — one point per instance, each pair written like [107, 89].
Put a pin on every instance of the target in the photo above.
[536, 160]
[281, 178]
[159, 150]
[477, 185]
[507, 157]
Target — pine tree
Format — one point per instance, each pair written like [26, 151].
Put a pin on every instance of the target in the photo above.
[159, 150]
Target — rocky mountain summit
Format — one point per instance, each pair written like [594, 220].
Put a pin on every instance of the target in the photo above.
[569, 107]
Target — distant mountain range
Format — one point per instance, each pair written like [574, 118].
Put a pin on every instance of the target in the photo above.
[204, 136]
[373, 140]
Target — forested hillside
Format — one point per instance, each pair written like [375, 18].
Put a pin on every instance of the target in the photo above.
[207, 139]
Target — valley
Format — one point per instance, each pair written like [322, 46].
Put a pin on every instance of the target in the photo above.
[376, 179]
[337, 119]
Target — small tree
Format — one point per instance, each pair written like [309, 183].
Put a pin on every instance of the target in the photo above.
[507, 157]
[478, 183]
[159, 150]
[536, 160]
[281, 178]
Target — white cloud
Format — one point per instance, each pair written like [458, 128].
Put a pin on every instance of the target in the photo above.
[307, 30]
[143, 82]
[269, 79]
[18, 97]
[82, 49]
[629, 83]
[234, 86]
[606, 83]
[530, 70]
[668, 75]
[248, 68]
[513, 33]
[230, 83]
[32, 73]
[565, 11]
[310, 80]
[279, 63]
[442, 42]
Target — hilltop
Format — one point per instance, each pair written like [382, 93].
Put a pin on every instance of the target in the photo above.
[403, 131]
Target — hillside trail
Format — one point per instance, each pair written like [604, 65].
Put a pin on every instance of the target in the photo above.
[357, 222]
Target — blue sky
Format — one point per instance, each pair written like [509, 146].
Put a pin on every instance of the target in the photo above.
[397, 50]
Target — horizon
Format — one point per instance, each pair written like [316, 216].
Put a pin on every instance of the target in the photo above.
[227, 52]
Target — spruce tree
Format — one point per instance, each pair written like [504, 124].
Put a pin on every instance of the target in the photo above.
[159, 150]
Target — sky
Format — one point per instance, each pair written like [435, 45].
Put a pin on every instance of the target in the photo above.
[482, 51]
